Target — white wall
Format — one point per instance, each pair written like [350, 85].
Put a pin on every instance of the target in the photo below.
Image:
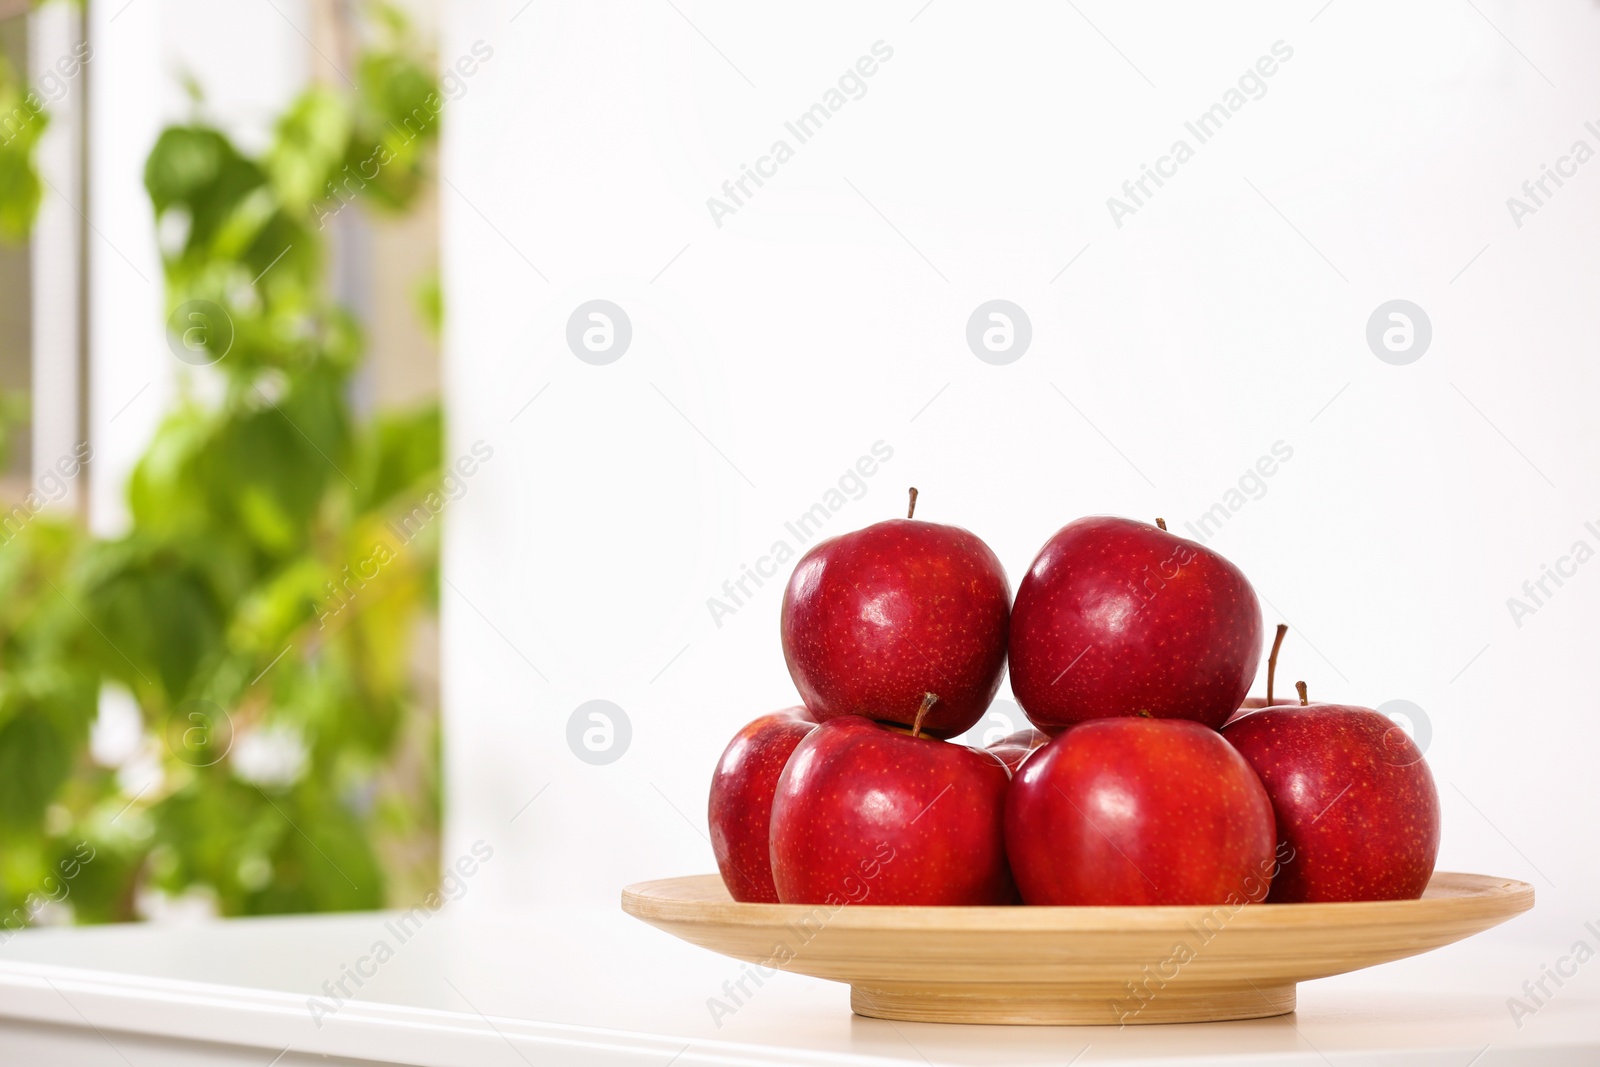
[830, 311]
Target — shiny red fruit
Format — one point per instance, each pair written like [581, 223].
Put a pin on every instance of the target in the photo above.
[1353, 797]
[867, 814]
[740, 810]
[875, 620]
[1117, 617]
[1139, 811]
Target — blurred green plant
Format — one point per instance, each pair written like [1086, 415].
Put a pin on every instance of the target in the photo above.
[259, 613]
[23, 120]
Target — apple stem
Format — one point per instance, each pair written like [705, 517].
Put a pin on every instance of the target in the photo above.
[1300, 687]
[911, 508]
[1161, 523]
[928, 701]
[1272, 658]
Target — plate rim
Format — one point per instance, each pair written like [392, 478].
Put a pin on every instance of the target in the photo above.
[1482, 895]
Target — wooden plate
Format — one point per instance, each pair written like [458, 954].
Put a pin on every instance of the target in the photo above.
[1053, 966]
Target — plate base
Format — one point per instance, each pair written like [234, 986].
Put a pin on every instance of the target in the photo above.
[1088, 966]
[1071, 1005]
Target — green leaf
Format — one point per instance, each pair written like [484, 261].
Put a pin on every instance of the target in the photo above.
[398, 121]
[402, 450]
[95, 874]
[268, 472]
[156, 618]
[326, 862]
[312, 140]
[34, 761]
[198, 170]
[22, 123]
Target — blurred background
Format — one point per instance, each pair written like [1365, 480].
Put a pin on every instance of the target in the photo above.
[250, 246]
[219, 323]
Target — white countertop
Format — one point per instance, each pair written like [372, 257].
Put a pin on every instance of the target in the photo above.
[595, 987]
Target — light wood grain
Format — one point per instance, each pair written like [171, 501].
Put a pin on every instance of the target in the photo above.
[1052, 966]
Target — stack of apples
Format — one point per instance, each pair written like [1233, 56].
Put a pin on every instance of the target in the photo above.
[1150, 778]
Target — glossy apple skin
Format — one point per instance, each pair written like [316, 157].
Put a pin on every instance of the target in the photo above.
[1013, 748]
[1353, 799]
[875, 619]
[740, 810]
[868, 814]
[1139, 811]
[1117, 617]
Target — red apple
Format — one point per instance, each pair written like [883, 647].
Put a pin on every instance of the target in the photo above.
[869, 814]
[1353, 798]
[875, 620]
[1117, 617]
[740, 811]
[1139, 811]
[1016, 747]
